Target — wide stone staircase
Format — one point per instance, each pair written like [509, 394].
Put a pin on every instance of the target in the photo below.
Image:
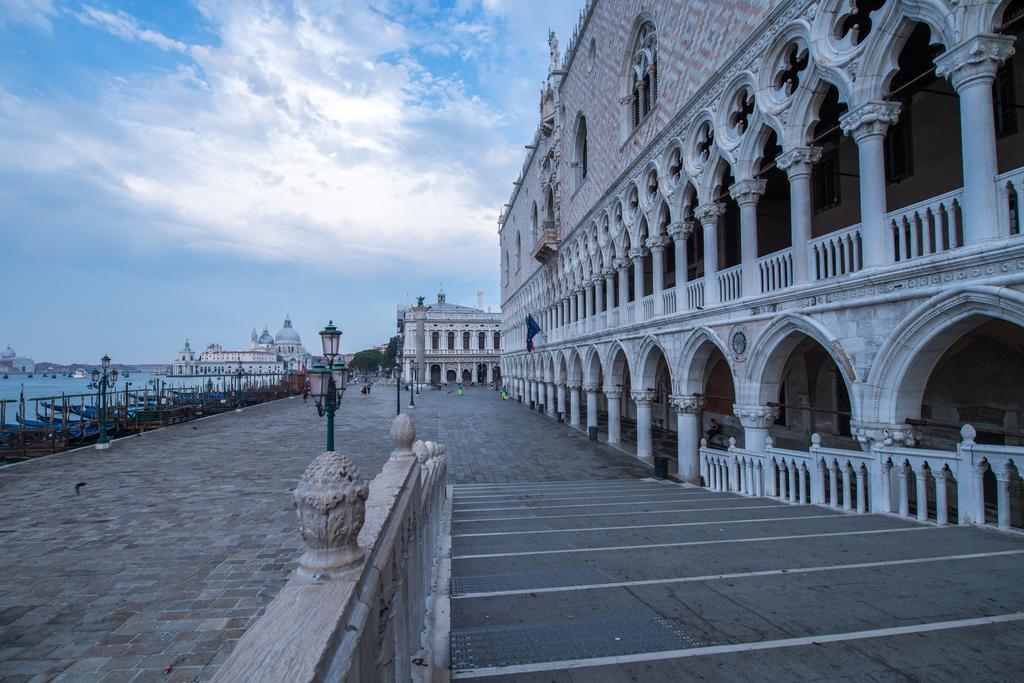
[637, 579]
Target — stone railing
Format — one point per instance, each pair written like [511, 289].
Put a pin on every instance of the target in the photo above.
[730, 283]
[1010, 190]
[837, 253]
[648, 306]
[929, 227]
[936, 486]
[668, 301]
[360, 606]
[775, 271]
[695, 294]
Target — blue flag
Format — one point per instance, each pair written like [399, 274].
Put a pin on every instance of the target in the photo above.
[532, 329]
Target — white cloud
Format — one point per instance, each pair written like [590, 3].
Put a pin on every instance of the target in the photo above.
[35, 13]
[307, 132]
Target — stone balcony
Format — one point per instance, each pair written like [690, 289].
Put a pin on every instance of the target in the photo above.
[547, 244]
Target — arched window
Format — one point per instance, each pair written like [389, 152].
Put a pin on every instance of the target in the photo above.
[451, 341]
[497, 341]
[533, 221]
[519, 252]
[465, 341]
[643, 74]
[581, 150]
[481, 341]
[435, 341]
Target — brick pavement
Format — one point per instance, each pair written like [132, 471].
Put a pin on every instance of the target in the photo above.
[178, 541]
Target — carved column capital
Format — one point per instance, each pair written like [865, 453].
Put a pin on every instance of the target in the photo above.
[747, 191]
[870, 118]
[622, 263]
[635, 253]
[657, 242]
[756, 417]
[612, 392]
[798, 161]
[644, 397]
[709, 213]
[572, 386]
[330, 502]
[977, 58]
[592, 388]
[686, 404]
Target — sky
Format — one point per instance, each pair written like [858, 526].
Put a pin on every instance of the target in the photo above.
[175, 169]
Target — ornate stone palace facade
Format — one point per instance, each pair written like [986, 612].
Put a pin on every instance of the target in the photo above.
[449, 343]
[790, 229]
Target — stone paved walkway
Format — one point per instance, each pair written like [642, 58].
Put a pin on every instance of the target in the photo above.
[178, 540]
[613, 579]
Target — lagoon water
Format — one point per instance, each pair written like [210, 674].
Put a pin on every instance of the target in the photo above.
[38, 386]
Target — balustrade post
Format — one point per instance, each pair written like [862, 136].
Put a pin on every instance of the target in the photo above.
[614, 396]
[971, 66]
[687, 411]
[709, 215]
[798, 164]
[862, 498]
[833, 484]
[941, 501]
[868, 124]
[847, 503]
[801, 473]
[747, 193]
[791, 480]
[904, 495]
[921, 480]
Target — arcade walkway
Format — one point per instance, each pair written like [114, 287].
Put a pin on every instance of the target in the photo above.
[629, 579]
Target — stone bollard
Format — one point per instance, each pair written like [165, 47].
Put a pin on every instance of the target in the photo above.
[403, 433]
[330, 501]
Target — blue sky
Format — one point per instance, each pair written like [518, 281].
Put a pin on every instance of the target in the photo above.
[195, 168]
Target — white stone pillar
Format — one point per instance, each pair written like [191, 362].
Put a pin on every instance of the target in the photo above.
[1002, 497]
[941, 497]
[709, 215]
[798, 164]
[680, 232]
[644, 440]
[868, 124]
[904, 497]
[688, 410]
[756, 422]
[574, 404]
[591, 391]
[657, 246]
[921, 480]
[614, 397]
[549, 402]
[637, 255]
[609, 290]
[560, 402]
[622, 265]
[747, 193]
[971, 66]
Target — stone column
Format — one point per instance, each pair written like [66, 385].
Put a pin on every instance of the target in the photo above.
[591, 391]
[657, 246]
[622, 265]
[747, 193]
[971, 66]
[421, 343]
[609, 290]
[490, 373]
[588, 301]
[581, 303]
[573, 301]
[637, 255]
[574, 403]
[680, 232]
[756, 422]
[560, 402]
[550, 401]
[688, 410]
[644, 440]
[614, 397]
[598, 293]
[709, 215]
[868, 124]
[798, 164]
[941, 499]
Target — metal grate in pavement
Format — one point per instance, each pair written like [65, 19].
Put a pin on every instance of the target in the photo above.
[571, 639]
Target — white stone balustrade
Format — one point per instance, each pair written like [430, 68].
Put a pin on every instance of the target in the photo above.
[844, 475]
[775, 271]
[668, 301]
[630, 313]
[362, 604]
[929, 227]
[1010, 192]
[837, 253]
[648, 306]
[695, 295]
[730, 283]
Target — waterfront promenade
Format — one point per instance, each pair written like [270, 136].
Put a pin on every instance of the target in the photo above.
[568, 563]
[176, 543]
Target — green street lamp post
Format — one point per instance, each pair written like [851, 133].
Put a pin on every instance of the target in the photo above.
[398, 382]
[327, 382]
[102, 381]
[239, 396]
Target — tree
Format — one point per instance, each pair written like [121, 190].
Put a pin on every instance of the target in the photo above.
[391, 352]
[367, 361]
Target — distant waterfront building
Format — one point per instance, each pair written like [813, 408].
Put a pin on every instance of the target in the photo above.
[460, 343]
[10, 361]
[282, 353]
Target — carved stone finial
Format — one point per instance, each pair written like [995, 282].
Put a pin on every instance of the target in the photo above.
[420, 449]
[968, 433]
[769, 442]
[330, 502]
[815, 439]
[703, 443]
[403, 433]
[732, 442]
